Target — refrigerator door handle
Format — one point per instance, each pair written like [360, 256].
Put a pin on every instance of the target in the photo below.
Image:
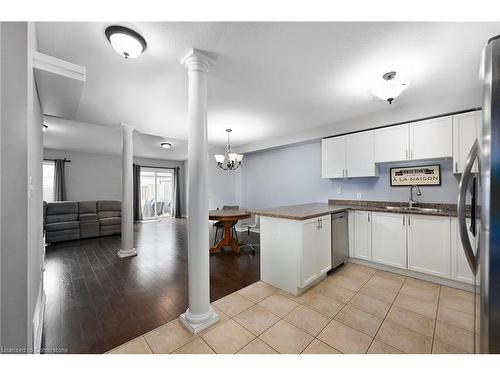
[461, 207]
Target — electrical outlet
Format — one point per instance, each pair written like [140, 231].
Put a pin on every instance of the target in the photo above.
[358, 196]
[339, 190]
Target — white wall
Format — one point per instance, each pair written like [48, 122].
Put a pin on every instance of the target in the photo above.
[92, 176]
[292, 175]
[21, 206]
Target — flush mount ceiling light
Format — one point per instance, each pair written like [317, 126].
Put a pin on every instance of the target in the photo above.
[166, 145]
[391, 88]
[125, 42]
[44, 128]
[230, 160]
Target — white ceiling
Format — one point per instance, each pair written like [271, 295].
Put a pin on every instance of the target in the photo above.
[270, 79]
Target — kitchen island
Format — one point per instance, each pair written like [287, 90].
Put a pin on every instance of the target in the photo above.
[296, 245]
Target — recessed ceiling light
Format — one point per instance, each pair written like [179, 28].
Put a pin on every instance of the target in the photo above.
[44, 128]
[166, 145]
[125, 42]
[391, 88]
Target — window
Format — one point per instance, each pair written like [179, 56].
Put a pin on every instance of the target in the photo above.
[156, 192]
[48, 180]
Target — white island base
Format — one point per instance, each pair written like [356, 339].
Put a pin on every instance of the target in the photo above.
[295, 254]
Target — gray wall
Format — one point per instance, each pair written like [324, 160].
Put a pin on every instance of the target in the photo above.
[21, 205]
[292, 175]
[92, 176]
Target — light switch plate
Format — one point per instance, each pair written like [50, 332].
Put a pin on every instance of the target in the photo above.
[339, 190]
[358, 195]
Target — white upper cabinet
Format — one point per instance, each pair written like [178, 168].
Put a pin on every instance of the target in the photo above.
[389, 239]
[466, 129]
[391, 143]
[360, 155]
[333, 154]
[429, 247]
[431, 139]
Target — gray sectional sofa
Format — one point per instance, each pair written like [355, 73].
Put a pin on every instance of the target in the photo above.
[64, 221]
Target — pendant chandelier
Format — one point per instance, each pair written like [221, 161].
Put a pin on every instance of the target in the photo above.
[230, 160]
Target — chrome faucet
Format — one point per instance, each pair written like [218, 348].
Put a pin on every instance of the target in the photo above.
[412, 203]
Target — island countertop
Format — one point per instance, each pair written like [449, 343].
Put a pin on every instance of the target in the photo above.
[300, 211]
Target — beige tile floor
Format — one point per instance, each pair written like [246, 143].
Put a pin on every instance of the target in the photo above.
[356, 309]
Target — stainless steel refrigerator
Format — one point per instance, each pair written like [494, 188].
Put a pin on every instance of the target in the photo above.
[483, 189]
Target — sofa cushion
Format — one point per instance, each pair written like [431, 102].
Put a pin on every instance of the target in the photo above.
[87, 207]
[60, 218]
[103, 214]
[109, 206]
[63, 235]
[110, 221]
[63, 225]
[88, 217]
[89, 229]
[58, 208]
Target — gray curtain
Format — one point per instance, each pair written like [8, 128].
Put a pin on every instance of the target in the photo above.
[177, 194]
[59, 180]
[137, 193]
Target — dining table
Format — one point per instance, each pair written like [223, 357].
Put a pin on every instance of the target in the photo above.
[228, 218]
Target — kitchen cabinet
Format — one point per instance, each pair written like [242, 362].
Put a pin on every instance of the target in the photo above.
[295, 253]
[389, 239]
[429, 247]
[352, 231]
[363, 235]
[460, 270]
[360, 160]
[430, 139]
[333, 157]
[391, 143]
[348, 156]
[466, 129]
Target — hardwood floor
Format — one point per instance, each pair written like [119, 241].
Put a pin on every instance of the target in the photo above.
[96, 301]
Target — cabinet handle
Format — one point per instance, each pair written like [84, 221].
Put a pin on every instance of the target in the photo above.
[411, 154]
[403, 220]
[347, 172]
[456, 166]
[369, 217]
[406, 153]
[409, 221]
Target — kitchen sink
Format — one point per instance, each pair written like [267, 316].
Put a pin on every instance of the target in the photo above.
[414, 209]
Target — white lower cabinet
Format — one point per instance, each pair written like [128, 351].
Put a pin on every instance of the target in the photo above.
[429, 244]
[389, 239]
[363, 235]
[460, 270]
[294, 253]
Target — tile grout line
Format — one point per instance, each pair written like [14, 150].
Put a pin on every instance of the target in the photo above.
[436, 321]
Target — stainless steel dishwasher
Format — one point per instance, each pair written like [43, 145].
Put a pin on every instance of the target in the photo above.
[340, 238]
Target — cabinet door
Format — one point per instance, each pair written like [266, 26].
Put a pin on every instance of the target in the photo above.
[466, 129]
[431, 138]
[429, 244]
[325, 244]
[309, 251]
[333, 157]
[389, 239]
[363, 235]
[392, 143]
[460, 269]
[360, 161]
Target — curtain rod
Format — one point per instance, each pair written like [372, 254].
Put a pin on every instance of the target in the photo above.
[64, 160]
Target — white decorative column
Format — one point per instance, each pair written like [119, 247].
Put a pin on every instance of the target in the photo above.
[199, 315]
[127, 249]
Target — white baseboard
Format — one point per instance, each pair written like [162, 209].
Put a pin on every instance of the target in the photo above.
[38, 317]
[414, 274]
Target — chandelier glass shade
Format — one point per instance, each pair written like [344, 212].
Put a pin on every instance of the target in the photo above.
[230, 160]
[391, 88]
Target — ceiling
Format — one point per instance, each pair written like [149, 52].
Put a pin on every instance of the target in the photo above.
[270, 79]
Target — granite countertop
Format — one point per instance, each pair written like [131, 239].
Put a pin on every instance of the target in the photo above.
[311, 210]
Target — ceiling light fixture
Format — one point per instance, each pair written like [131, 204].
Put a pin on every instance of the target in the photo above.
[391, 88]
[44, 128]
[166, 145]
[125, 42]
[230, 160]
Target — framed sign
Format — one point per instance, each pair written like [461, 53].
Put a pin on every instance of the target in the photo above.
[423, 175]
